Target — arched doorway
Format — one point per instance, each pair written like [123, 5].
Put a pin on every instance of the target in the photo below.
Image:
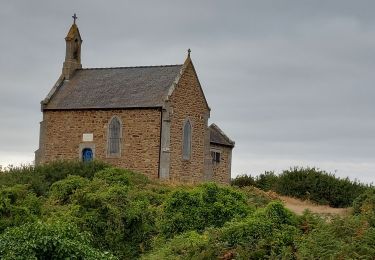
[87, 155]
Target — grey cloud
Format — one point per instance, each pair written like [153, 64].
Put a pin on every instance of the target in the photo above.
[289, 81]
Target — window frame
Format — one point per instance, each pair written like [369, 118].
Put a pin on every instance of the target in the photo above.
[216, 159]
[118, 154]
[187, 157]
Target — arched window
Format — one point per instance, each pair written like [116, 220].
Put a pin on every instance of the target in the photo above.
[114, 137]
[186, 142]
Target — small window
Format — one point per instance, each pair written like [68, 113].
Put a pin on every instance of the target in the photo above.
[114, 137]
[186, 149]
[215, 157]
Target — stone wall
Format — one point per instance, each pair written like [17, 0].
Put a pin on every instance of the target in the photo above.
[187, 102]
[62, 131]
[222, 170]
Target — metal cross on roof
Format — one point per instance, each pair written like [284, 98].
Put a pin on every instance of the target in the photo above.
[74, 18]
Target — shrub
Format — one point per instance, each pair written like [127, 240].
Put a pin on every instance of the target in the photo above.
[243, 181]
[342, 238]
[277, 214]
[252, 237]
[207, 205]
[41, 177]
[365, 203]
[189, 245]
[266, 181]
[119, 223]
[255, 197]
[319, 186]
[309, 221]
[48, 241]
[18, 206]
[63, 189]
[121, 177]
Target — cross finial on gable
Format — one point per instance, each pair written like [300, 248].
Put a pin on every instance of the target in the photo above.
[74, 18]
[189, 51]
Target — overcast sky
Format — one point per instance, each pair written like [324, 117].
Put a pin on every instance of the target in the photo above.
[292, 82]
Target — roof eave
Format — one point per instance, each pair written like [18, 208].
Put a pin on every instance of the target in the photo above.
[221, 144]
[103, 108]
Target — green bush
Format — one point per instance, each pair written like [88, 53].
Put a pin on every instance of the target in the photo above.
[342, 238]
[243, 181]
[48, 241]
[266, 181]
[277, 214]
[207, 205]
[307, 183]
[119, 223]
[255, 197]
[189, 245]
[319, 186]
[365, 203]
[122, 177]
[252, 237]
[130, 216]
[41, 177]
[18, 205]
[309, 221]
[63, 189]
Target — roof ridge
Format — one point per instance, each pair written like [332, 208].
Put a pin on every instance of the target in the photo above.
[133, 67]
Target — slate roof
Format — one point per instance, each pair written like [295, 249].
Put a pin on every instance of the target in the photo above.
[217, 136]
[125, 87]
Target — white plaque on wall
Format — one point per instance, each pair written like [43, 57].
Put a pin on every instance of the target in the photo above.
[88, 137]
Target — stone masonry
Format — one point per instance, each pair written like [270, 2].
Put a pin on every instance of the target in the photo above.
[221, 170]
[63, 131]
[188, 102]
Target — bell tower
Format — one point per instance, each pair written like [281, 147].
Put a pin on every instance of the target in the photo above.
[73, 50]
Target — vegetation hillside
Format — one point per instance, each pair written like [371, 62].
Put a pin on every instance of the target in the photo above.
[93, 211]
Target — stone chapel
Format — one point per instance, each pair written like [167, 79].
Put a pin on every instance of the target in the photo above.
[149, 119]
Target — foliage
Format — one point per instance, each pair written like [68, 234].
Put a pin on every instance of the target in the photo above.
[189, 245]
[63, 189]
[122, 177]
[207, 205]
[319, 186]
[252, 237]
[265, 181]
[255, 197]
[307, 183]
[342, 238]
[40, 178]
[364, 205]
[92, 211]
[103, 207]
[18, 205]
[48, 241]
[243, 181]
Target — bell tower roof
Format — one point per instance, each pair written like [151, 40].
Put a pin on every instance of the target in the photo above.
[73, 33]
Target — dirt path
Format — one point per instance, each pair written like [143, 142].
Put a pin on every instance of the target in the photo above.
[298, 206]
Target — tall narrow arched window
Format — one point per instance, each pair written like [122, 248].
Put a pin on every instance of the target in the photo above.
[114, 137]
[186, 142]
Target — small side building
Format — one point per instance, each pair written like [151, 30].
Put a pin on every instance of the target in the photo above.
[221, 153]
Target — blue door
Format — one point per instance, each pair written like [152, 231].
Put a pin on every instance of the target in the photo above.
[87, 155]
